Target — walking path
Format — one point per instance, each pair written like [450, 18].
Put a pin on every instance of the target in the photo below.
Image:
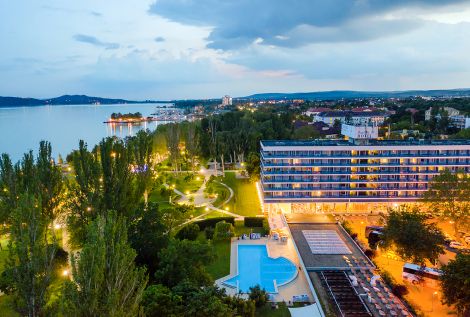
[201, 200]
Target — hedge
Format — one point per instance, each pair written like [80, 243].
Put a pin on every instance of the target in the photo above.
[253, 222]
[211, 222]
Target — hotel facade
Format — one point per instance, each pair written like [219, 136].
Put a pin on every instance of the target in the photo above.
[349, 176]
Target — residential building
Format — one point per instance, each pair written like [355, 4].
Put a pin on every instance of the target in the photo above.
[354, 175]
[226, 101]
[459, 122]
[364, 117]
[450, 112]
[314, 111]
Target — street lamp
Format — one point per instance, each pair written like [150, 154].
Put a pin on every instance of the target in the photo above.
[432, 301]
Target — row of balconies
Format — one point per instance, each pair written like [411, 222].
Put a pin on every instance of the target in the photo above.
[326, 179]
[375, 164]
[316, 155]
[313, 188]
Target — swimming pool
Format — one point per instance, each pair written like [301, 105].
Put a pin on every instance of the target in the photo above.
[255, 267]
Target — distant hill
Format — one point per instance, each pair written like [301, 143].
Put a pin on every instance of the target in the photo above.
[64, 100]
[351, 94]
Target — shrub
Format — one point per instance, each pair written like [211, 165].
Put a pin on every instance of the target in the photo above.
[266, 227]
[354, 236]
[223, 230]
[188, 232]
[211, 222]
[258, 295]
[209, 232]
[252, 222]
[400, 290]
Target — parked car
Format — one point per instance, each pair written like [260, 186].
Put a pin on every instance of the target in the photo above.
[456, 245]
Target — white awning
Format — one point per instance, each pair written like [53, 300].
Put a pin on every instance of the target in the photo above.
[306, 311]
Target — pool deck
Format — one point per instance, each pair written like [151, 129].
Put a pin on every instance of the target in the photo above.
[297, 286]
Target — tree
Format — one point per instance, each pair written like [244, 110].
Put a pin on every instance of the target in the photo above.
[253, 166]
[85, 193]
[258, 295]
[306, 132]
[413, 239]
[449, 195]
[9, 187]
[160, 301]
[30, 260]
[189, 232]
[223, 231]
[185, 260]
[173, 142]
[50, 182]
[455, 282]
[148, 235]
[141, 149]
[106, 281]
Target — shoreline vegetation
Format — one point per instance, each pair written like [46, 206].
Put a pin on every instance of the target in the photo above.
[124, 118]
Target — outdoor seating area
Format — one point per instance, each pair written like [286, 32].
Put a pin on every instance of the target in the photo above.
[379, 297]
[325, 242]
[344, 295]
[251, 236]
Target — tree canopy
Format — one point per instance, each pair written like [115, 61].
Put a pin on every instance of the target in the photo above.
[411, 236]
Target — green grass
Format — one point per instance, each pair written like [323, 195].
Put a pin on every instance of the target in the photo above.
[221, 266]
[267, 311]
[222, 194]
[162, 199]
[3, 251]
[185, 182]
[6, 304]
[245, 200]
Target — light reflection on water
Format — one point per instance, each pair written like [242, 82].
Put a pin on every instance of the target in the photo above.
[22, 128]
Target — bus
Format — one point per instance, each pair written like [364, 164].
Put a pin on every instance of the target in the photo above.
[417, 274]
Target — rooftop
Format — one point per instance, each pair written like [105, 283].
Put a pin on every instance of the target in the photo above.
[371, 142]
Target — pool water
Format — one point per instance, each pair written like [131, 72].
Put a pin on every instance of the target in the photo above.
[255, 267]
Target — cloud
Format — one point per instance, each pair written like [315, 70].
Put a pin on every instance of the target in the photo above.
[94, 41]
[238, 23]
[67, 10]
[159, 39]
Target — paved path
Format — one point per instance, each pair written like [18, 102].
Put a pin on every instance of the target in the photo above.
[200, 199]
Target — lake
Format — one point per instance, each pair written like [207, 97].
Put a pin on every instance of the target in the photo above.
[22, 128]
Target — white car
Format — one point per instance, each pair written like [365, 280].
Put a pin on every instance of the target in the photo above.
[456, 245]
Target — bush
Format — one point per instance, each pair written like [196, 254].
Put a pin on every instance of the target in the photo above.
[354, 236]
[61, 257]
[400, 290]
[266, 227]
[209, 232]
[211, 222]
[253, 222]
[188, 232]
[223, 231]
[258, 295]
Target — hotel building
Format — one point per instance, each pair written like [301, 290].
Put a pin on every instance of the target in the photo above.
[361, 174]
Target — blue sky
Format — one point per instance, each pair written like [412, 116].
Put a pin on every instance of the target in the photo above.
[175, 49]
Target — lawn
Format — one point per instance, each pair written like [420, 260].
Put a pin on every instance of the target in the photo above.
[268, 311]
[221, 266]
[245, 201]
[222, 194]
[185, 182]
[163, 199]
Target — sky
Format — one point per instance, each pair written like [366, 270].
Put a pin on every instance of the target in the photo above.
[181, 49]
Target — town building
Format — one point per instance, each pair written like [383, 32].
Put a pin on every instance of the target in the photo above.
[450, 112]
[355, 175]
[363, 117]
[460, 122]
[226, 101]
